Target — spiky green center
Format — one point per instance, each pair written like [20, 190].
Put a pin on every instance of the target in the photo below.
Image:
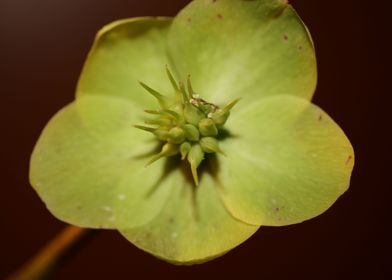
[186, 124]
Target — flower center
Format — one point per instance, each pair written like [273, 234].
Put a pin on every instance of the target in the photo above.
[186, 124]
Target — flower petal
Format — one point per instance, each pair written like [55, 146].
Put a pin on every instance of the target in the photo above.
[125, 52]
[287, 162]
[86, 155]
[193, 227]
[236, 48]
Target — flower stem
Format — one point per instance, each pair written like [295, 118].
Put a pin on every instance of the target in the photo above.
[45, 260]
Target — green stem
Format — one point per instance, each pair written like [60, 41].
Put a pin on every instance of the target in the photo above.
[38, 266]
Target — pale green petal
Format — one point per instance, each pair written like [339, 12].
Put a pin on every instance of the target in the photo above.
[193, 227]
[249, 49]
[125, 52]
[287, 162]
[86, 156]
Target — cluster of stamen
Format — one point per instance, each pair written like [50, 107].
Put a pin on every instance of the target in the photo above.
[186, 124]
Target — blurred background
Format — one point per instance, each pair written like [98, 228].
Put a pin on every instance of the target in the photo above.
[43, 45]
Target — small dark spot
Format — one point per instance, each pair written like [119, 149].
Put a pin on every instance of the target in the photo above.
[285, 37]
[79, 207]
[219, 16]
[349, 158]
[214, 1]
[300, 48]
[171, 220]
[189, 20]
[320, 118]
[277, 209]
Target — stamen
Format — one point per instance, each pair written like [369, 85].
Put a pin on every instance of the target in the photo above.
[185, 97]
[173, 114]
[168, 150]
[195, 157]
[172, 80]
[145, 128]
[157, 95]
[190, 89]
[160, 122]
[184, 149]
[153, 112]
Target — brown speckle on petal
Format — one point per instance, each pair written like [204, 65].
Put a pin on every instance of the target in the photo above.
[349, 158]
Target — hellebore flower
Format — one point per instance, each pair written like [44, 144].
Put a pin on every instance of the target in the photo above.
[217, 169]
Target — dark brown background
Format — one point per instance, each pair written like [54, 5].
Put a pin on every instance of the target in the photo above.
[43, 44]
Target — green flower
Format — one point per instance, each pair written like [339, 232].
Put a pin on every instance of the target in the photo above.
[216, 172]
